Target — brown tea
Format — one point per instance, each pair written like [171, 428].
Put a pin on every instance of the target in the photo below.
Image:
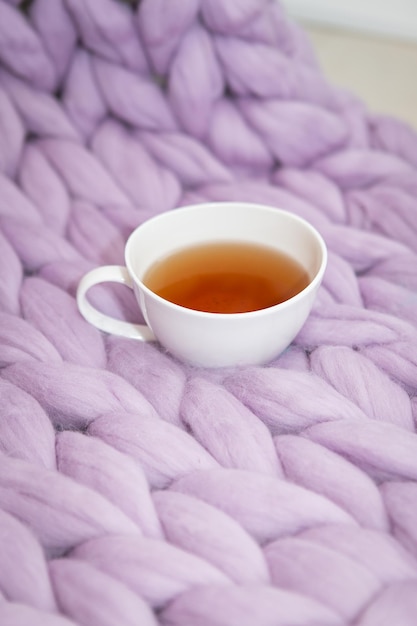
[230, 277]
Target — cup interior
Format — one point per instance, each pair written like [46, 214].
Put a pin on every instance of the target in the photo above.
[224, 222]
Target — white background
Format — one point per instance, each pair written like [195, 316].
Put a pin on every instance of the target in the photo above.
[396, 18]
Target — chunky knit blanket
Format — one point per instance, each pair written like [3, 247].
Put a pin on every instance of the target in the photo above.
[135, 490]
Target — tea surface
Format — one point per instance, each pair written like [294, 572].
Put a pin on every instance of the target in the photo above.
[230, 277]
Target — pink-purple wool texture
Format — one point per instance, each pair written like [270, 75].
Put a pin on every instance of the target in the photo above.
[135, 490]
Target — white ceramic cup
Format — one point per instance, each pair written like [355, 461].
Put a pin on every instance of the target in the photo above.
[212, 339]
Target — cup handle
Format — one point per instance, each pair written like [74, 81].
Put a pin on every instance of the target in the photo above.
[114, 274]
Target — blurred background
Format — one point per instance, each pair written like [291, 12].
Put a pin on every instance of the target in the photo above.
[367, 46]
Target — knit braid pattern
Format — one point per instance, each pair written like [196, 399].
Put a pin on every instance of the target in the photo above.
[135, 490]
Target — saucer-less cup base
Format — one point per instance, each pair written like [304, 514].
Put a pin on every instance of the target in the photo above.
[212, 339]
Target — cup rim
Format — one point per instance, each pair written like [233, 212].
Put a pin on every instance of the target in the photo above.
[246, 314]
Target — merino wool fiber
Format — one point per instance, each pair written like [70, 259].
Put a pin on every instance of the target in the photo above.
[136, 489]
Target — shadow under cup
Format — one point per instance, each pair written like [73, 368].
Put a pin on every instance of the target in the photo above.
[194, 336]
[225, 339]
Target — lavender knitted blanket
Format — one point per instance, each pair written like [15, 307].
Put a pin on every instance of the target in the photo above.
[135, 490]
